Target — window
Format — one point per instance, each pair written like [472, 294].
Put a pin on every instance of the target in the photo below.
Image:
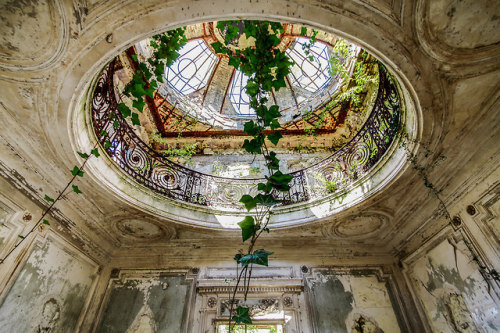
[238, 96]
[256, 328]
[307, 74]
[191, 71]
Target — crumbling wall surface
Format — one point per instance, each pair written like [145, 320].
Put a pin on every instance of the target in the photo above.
[50, 291]
[153, 304]
[351, 303]
[453, 293]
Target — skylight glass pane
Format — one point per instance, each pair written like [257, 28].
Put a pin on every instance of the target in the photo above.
[238, 96]
[310, 75]
[192, 69]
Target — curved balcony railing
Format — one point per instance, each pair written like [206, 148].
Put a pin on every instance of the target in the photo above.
[332, 175]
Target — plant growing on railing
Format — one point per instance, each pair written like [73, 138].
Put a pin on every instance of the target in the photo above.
[356, 83]
[182, 150]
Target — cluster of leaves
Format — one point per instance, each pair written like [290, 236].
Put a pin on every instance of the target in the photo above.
[145, 81]
[356, 83]
[307, 45]
[266, 68]
[361, 76]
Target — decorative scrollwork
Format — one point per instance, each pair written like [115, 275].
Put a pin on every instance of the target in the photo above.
[174, 181]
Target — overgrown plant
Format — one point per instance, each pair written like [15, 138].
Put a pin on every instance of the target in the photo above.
[356, 82]
[178, 149]
[266, 68]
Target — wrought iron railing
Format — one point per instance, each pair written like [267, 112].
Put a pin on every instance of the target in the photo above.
[177, 182]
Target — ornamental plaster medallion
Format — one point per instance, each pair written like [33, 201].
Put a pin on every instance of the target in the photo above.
[138, 229]
[360, 226]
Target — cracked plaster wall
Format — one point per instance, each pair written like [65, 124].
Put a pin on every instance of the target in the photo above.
[49, 293]
[155, 304]
[351, 303]
[452, 291]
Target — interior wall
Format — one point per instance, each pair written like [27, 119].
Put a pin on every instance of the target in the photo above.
[50, 291]
[146, 302]
[454, 295]
[302, 299]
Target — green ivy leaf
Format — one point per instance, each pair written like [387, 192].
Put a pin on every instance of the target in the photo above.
[116, 124]
[139, 104]
[134, 57]
[235, 62]
[76, 189]
[258, 257]
[49, 199]
[272, 161]
[217, 46]
[280, 181]
[135, 119]
[76, 171]
[265, 199]
[104, 133]
[248, 201]
[253, 146]
[22, 237]
[248, 227]
[46, 222]
[242, 316]
[107, 144]
[95, 152]
[303, 31]
[124, 109]
[251, 128]
[275, 137]
[83, 155]
[264, 187]
[274, 124]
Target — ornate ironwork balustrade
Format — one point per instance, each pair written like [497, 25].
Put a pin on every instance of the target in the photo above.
[174, 181]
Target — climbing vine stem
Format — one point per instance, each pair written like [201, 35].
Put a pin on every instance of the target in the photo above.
[422, 171]
[76, 172]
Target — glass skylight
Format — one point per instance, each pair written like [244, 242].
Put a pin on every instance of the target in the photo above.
[309, 74]
[191, 71]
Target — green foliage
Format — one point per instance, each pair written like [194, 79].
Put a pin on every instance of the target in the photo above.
[82, 155]
[149, 74]
[47, 198]
[76, 171]
[248, 227]
[258, 257]
[95, 152]
[76, 189]
[248, 201]
[242, 316]
[179, 149]
[46, 222]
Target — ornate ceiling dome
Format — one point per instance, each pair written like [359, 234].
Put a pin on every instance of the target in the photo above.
[188, 146]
